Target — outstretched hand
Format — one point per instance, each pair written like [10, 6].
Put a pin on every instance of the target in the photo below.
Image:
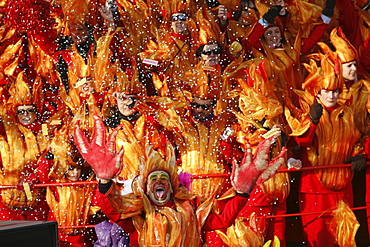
[100, 153]
[254, 170]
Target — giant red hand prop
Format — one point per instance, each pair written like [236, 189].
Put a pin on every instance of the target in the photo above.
[254, 170]
[100, 153]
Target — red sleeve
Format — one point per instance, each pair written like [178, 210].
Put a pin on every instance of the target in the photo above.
[255, 36]
[349, 22]
[227, 217]
[44, 166]
[47, 42]
[223, 28]
[2, 128]
[118, 53]
[306, 139]
[365, 55]
[109, 211]
[314, 37]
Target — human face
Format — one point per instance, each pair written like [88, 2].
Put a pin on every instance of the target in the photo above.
[125, 104]
[85, 86]
[202, 108]
[349, 71]
[272, 36]
[26, 114]
[79, 33]
[74, 173]
[159, 188]
[211, 55]
[328, 98]
[178, 23]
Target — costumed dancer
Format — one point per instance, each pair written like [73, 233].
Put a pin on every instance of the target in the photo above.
[159, 209]
[355, 91]
[272, 42]
[326, 129]
[25, 140]
[70, 205]
[260, 111]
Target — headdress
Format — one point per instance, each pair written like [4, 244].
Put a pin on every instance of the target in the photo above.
[362, 4]
[258, 100]
[20, 92]
[204, 88]
[75, 11]
[328, 76]
[153, 161]
[345, 50]
[209, 31]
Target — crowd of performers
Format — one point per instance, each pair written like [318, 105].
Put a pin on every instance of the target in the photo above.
[182, 88]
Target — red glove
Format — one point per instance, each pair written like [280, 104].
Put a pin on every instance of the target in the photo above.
[255, 170]
[100, 153]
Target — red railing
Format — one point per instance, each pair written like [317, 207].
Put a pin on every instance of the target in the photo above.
[202, 176]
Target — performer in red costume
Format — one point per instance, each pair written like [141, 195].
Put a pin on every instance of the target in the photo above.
[25, 139]
[160, 210]
[325, 128]
[271, 41]
[354, 21]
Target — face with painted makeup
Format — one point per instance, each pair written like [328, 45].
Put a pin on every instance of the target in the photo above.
[159, 188]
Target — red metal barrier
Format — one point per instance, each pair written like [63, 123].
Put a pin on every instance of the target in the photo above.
[202, 176]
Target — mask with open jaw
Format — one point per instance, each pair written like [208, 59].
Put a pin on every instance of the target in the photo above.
[159, 188]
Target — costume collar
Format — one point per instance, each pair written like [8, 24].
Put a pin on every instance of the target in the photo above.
[182, 37]
[203, 120]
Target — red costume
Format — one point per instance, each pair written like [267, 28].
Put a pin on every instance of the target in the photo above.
[213, 221]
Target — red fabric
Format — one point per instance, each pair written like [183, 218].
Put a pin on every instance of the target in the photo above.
[34, 127]
[118, 53]
[255, 36]
[39, 213]
[367, 198]
[306, 139]
[365, 55]
[314, 197]
[213, 222]
[109, 211]
[313, 38]
[315, 226]
[230, 150]
[182, 37]
[309, 42]
[273, 227]
[47, 42]
[349, 22]
[228, 215]
[213, 239]
[44, 166]
[68, 240]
